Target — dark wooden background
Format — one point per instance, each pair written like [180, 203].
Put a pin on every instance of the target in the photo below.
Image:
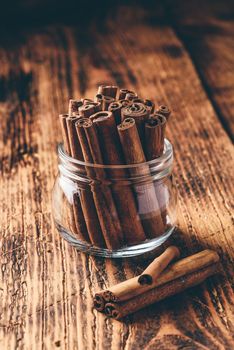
[179, 52]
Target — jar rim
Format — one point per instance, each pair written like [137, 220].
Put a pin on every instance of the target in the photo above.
[166, 158]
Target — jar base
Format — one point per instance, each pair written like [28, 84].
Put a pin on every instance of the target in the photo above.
[124, 252]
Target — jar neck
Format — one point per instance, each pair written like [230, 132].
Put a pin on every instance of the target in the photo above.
[81, 171]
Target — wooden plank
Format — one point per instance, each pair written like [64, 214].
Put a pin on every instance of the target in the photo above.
[46, 286]
[207, 29]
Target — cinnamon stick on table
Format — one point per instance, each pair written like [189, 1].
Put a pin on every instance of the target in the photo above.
[123, 196]
[149, 209]
[129, 296]
[151, 273]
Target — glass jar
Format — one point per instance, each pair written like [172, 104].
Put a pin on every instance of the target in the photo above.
[111, 213]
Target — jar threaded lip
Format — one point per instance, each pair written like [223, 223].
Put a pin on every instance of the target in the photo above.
[166, 159]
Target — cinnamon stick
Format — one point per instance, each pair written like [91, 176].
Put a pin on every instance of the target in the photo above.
[164, 110]
[76, 151]
[140, 113]
[154, 136]
[75, 214]
[130, 95]
[73, 107]
[104, 203]
[123, 93]
[149, 209]
[115, 109]
[120, 310]
[130, 289]
[90, 108]
[123, 196]
[86, 194]
[159, 264]
[150, 104]
[108, 90]
[63, 123]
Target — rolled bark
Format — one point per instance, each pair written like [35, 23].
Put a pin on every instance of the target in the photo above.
[140, 113]
[154, 136]
[77, 222]
[150, 104]
[149, 209]
[63, 123]
[123, 93]
[75, 147]
[131, 288]
[108, 90]
[131, 95]
[120, 310]
[123, 196]
[152, 272]
[103, 199]
[164, 110]
[90, 108]
[73, 106]
[86, 194]
[115, 108]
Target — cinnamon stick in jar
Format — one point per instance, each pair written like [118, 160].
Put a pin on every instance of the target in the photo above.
[164, 110]
[122, 193]
[73, 106]
[108, 90]
[63, 123]
[123, 93]
[103, 199]
[148, 206]
[115, 109]
[86, 194]
[74, 212]
[140, 113]
[154, 136]
[76, 151]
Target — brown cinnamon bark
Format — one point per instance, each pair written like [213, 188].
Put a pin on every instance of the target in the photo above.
[149, 209]
[154, 136]
[120, 310]
[86, 194]
[73, 107]
[90, 108]
[123, 93]
[150, 104]
[108, 90]
[63, 123]
[76, 151]
[75, 214]
[123, 196]
[151, 273]
[130, 95]
[115, 108]
[130, 289]
[140, 113]
[106, 209]
[164, 110]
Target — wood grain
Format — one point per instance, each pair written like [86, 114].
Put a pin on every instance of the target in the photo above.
[46, 286]
[207, 29]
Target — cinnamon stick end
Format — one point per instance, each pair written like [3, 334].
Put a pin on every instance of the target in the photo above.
[145, 279]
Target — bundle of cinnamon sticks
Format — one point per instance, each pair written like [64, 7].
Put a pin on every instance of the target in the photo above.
[159, 281]
[116, 127]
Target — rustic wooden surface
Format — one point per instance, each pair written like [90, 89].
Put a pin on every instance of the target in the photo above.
[46, 286]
